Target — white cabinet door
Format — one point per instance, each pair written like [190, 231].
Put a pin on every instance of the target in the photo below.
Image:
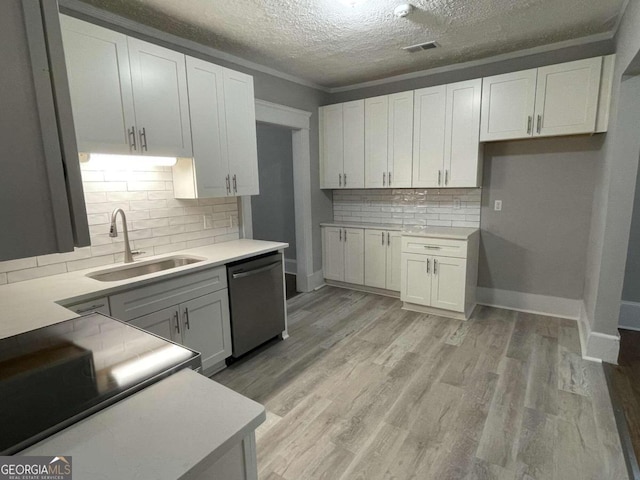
[428, 136]
[416, 279]
[353, 137]
[208, 128]
[242, 146]
[160, 96]
[333, 253]
[449, 281]
[375, 258]
[376, 129]
[331, 146]
[462, 134]
[508, 102]
[567, 97]
[206, 327]
[394, 261]
[354, 255]
[164, 323]
[100, 84]
[400, 143]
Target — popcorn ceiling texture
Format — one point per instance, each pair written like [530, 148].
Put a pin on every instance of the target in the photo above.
[158, 223]
[333, 44]
[409, 207]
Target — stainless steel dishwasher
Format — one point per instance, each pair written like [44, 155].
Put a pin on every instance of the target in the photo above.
[256, 298]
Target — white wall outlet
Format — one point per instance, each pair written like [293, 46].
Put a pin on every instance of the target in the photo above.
[456, 204]
[497, 205]
[207, 221]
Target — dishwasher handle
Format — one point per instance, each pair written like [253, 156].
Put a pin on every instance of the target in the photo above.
[255, 271]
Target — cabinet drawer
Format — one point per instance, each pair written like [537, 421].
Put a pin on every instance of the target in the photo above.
[99, 305]
[435, 246]
[142, 301]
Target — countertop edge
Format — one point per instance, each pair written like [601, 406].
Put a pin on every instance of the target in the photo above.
[454, 233]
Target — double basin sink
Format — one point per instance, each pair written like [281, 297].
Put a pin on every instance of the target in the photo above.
[143, 268]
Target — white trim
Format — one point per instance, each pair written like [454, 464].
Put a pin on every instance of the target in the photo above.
[596, 346]
[629, 315]
[530, 303]
[246, 218]
[314, 281]
[290, 266]
[599, 37]
[82, 9]
[298, 121]
[275, 114]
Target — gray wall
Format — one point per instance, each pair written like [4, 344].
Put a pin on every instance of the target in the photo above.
[631, 288]
[273, 211]
[538, 242]
[615, 187]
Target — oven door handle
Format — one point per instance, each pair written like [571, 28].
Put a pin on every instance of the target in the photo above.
[255, 271]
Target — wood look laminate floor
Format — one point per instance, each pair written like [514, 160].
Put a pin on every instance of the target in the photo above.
[365, 390]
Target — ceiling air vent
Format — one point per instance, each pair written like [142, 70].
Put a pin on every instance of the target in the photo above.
[421, 46]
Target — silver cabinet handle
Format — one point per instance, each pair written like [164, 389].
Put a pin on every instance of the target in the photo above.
[439, 177]
[345, 234]
[345, 179]
[384, 179]
[435, 266]
[235, 184]
[389, 177]
[539, 128]
[143, 136]
[388, 241]
[446, 177]
[529, 122]
[382, 238]
[340, 234]
[228, 181]
[175, 316]
[132, 138]
[340, 179]
[428, 269]
[90, 309]
[186, 318]
[432, 247]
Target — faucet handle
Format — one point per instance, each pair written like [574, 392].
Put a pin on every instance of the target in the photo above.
[137, 252]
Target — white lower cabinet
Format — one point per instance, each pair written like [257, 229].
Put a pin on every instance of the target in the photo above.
[439, 275]
[343, 254]
[192, 310]
[382, 259]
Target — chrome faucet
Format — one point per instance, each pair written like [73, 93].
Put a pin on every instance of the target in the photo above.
[113, 232]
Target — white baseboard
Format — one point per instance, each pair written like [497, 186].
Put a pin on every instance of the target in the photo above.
[530, 303]
[629, 315]
[290, 266]
[596, 346]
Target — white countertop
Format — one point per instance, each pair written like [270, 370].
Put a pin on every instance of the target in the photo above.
[456, 233]
[169, 430]
[32, 304]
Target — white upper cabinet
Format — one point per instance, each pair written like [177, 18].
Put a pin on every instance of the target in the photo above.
[400, 143]
[353, 138]
[100, 83]
[241, 132]
[462, 150]
[564, 99]
[342, 145]
[567, 97]
[223, 130]
[160, 99]
[428, 136]
[128, 96]
[376, 141]
[508, 102]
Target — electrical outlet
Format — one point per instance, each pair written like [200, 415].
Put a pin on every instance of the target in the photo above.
[497, 206]
[207, 221]
[456, 204]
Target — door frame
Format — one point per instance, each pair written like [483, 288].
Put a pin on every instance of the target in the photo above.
[298, 122]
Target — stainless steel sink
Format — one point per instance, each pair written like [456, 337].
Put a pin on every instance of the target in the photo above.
[143, 268]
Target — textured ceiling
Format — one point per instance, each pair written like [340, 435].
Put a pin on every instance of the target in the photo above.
[333, 44]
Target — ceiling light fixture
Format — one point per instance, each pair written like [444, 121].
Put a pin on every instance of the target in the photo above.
[403, 10]
[130, 161]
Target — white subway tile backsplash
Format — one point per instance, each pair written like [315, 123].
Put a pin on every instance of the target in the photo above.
[158, 223]
[409, 207]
